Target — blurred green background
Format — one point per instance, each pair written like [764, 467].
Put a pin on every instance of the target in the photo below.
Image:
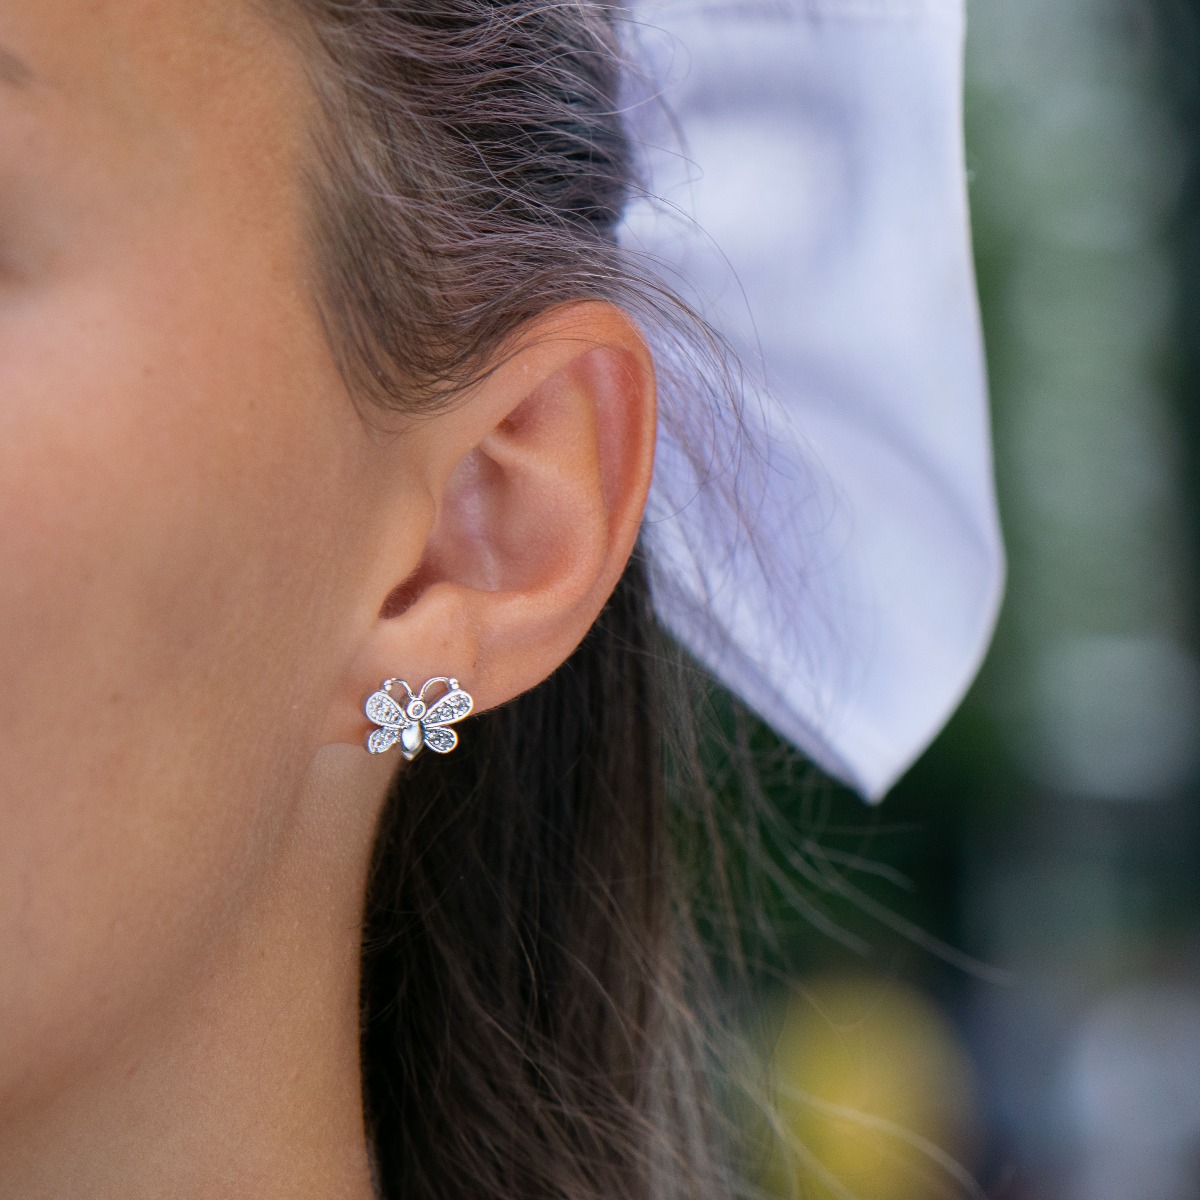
[993, 981]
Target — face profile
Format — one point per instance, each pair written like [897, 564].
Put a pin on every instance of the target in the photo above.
[323, 363]
[201, 525]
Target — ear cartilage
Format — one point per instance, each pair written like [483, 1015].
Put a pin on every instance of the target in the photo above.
[416, 723]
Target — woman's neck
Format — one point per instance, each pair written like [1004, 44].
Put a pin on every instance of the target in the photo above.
[242, 1079]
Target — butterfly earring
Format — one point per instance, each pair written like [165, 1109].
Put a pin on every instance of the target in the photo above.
[416, 723]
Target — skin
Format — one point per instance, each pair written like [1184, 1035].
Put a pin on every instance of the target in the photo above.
[198, 533]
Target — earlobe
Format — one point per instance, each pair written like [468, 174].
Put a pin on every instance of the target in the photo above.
[539, 479]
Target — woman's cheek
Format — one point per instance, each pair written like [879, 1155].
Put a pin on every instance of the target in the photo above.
[148, 564]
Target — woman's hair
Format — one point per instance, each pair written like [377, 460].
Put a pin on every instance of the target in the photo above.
[531, 977]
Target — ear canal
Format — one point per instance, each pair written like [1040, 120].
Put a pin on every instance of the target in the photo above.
[404, 594]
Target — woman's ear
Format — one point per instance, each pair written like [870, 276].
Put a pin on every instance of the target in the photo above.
[537, 481]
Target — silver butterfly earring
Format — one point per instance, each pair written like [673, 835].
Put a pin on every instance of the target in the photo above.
[415, 723]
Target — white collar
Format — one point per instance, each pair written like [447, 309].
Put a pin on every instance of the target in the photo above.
[851, 600]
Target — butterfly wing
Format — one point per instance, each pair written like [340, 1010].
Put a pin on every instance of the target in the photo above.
[383, 710]
[453, 706]
[383, 739]
[441, 739]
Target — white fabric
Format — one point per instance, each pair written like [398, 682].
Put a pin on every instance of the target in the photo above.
[852, 596]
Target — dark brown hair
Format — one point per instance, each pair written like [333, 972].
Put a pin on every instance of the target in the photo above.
[531, 980]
